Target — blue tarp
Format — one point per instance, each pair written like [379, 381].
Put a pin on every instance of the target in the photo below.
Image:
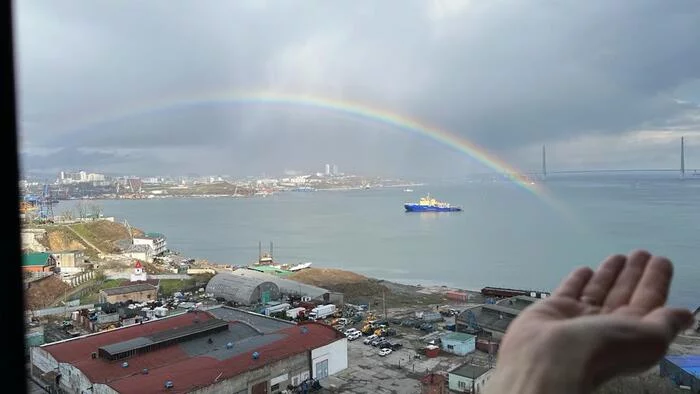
[688, 362]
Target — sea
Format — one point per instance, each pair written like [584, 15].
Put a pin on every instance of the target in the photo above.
[506, 236]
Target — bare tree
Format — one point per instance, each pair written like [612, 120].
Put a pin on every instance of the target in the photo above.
[82, 209]
[95, 210]
[68, 215]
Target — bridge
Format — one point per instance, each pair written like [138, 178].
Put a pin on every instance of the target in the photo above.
[681, 170]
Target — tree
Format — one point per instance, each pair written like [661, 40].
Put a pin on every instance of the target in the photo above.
[68, 215]
[82, 209]
[95, 210]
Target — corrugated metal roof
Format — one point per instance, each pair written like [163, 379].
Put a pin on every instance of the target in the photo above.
[262, 323]
[243, 290]
[286, 286]
[192, 364]
[501, 309]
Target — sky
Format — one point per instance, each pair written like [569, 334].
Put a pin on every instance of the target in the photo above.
[136, 87]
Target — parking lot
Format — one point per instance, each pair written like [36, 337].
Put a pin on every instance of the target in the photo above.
[398, 372]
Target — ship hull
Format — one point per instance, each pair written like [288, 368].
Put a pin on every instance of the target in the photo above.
[427, 208]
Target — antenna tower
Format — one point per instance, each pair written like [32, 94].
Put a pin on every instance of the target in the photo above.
[682, 157]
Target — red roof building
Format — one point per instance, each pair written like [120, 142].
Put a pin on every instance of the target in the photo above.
[225, 349]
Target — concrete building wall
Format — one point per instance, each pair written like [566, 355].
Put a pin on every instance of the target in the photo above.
[73, 380]
[42, 361]
[158, 245]
[69, 259]
[330, 359]
[280, 373]
[137, 296]
[99, 388]
[146, 255]
[461, 347]
[463, 384]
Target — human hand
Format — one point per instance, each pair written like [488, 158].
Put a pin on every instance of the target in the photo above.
[596, 325]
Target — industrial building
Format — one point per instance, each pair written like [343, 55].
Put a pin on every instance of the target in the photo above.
[683, 370]
[242, 290]
[70, 261]
[291, 287]
[458, 343]
[492, 319]
[37, 262]
[218, 350]
[156, 241]
[469, 378]
[139, 292]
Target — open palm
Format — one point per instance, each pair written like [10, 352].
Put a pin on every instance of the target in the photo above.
[599, 324]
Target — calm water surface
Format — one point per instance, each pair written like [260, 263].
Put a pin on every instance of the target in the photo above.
[506, 236]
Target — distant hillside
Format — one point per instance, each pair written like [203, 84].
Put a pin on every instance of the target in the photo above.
[102, 234]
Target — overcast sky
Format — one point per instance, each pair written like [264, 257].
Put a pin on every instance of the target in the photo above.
[605, 84]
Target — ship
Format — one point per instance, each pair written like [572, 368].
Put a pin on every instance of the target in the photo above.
[429, 204]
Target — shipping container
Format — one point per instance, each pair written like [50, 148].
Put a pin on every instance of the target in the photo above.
[457, 296]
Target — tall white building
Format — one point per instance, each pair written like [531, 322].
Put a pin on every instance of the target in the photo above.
[328, 169]
[335, 170]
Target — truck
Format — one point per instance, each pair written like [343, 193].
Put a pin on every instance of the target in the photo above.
[276, 308]
[295, 313]
[322, 311]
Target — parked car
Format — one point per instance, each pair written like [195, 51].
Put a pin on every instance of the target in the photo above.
[350, 331]
[355, 335]
[369, 339]
[384, 352]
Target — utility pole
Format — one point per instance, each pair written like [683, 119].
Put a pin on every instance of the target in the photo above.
[384, 303]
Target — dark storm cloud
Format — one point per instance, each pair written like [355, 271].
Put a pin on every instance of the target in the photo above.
[75, 159]
[503, 73]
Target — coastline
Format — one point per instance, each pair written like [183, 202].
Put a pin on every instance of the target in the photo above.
[239, 196]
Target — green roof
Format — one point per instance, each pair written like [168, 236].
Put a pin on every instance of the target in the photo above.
[34, 259]
[271, 270]
[457, 336]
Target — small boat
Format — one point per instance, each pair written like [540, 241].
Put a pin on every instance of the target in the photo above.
[408, 190]
[299, 267]
[429, 204]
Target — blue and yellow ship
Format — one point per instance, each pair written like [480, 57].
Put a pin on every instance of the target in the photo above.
[429, 204]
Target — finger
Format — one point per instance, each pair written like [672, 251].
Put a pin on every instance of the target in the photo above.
[627, 280]
[572, 286]
[603, 279]
[671, 320]
[652, 290]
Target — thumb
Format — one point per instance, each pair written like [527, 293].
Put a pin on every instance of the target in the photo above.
[629, 345]
[671, 320]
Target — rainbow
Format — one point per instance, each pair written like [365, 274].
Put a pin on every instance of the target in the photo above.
[353, 109]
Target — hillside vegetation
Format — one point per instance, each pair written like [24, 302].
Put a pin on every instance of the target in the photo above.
[357, 288]
[102, 234]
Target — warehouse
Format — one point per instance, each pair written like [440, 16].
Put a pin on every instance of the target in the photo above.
[200, 351]
[492, 320]
[291, 287]
[242, 290]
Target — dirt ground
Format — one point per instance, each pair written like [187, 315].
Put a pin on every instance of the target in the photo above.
[361, 289]
[42, 293]
[102, 233]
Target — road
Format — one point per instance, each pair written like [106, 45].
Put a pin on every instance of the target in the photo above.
[88, 243]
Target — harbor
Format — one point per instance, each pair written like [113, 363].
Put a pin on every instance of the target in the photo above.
[396, 337]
